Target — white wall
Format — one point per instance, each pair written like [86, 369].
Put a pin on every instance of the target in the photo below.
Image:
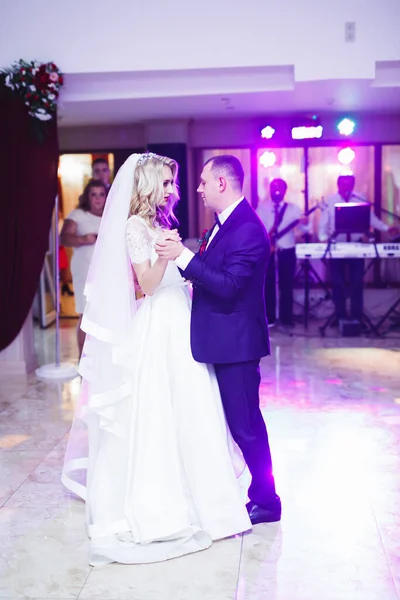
[88, 36]
[213, 133]
[123, 136]
[74, 139]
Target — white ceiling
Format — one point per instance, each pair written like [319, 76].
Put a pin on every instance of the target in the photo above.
[128, 98]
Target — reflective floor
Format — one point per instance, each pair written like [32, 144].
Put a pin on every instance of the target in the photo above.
[332, 407]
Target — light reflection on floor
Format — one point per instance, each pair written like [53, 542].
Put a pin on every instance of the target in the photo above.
[333, 415]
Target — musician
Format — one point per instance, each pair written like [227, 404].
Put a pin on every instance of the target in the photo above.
[326, 230]
[277, 215]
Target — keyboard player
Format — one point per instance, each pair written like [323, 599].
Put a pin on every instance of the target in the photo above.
[355, 266]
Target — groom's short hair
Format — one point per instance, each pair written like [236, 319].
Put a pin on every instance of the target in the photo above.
[228, 166]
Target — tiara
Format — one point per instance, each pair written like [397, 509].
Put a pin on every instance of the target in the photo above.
[145, 157]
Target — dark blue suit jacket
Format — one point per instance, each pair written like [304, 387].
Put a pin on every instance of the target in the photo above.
[229, 323]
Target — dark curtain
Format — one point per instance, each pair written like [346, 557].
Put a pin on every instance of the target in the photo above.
[120, 156]
[28, 188]
[178, 152]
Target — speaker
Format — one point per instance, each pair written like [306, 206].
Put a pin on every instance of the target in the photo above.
[349, 328]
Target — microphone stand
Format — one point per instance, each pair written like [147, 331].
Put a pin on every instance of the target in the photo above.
[384, 210]
[276, 267]
[57, 370]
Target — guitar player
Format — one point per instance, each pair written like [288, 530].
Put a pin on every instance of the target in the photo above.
[277, 216]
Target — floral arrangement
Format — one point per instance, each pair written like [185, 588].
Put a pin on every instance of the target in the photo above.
[38, 84]
[203, 241]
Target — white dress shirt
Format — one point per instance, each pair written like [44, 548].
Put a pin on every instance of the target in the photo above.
[184, 259]
[326, 227]
[266, 212]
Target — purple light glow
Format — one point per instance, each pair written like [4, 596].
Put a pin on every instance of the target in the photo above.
[297, 383]
[346, 156]
[267, 159]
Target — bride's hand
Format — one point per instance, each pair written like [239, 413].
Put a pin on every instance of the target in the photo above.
[171, 235]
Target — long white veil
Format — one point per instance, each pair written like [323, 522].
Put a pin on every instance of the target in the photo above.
[108, 314]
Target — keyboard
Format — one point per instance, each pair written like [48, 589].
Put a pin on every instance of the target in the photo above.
[348, 250]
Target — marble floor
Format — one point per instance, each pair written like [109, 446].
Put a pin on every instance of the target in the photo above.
[332, 407]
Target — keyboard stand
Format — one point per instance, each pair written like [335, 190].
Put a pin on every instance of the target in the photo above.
[390, 311]
[366, 321]
[308, 270]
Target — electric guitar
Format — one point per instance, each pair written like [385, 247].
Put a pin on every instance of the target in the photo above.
[277, 235]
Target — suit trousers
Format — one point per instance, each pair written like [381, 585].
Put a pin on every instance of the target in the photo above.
[239, 385]
[286, 274]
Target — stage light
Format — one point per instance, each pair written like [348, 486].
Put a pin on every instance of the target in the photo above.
[307, 132]
[267, 132]
[267, 159]
[346, 126]
[306, 127]
[346, 156]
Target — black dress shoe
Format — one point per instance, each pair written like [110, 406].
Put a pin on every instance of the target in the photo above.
[258, 514]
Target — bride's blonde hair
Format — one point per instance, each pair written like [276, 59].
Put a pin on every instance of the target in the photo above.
[148, 190]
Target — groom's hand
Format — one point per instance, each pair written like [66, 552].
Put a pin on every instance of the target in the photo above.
[171, 235]
[169, 249]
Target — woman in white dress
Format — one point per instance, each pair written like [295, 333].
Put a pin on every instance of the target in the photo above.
[161, 465]
[80, 231]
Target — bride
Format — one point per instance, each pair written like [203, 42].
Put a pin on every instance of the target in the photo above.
[149, 449]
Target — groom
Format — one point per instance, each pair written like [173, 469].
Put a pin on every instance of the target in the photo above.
[228, 325]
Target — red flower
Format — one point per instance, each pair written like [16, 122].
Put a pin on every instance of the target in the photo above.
[41, 80]
[203, 241]
[61, 80]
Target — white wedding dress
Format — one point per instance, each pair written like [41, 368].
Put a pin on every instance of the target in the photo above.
[162, 475]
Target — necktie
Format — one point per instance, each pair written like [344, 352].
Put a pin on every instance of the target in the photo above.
[218, 222]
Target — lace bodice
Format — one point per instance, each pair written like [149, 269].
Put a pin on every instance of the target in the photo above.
[140, 242]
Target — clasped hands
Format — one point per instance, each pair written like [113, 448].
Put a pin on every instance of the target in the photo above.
[169, 245]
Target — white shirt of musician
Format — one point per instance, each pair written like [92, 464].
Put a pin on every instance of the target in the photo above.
[326, 226]
[266, 212]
